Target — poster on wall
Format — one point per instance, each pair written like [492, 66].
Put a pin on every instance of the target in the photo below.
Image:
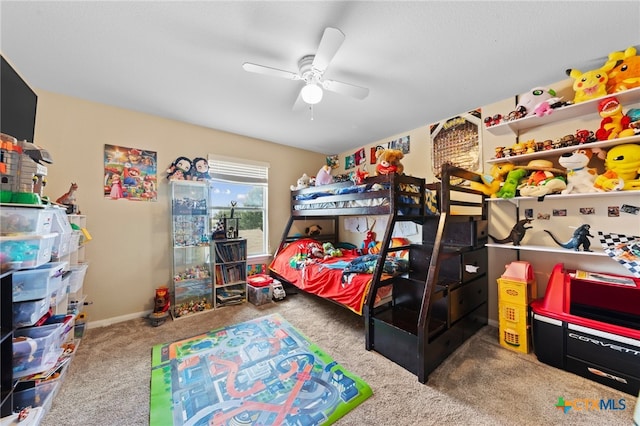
[130, 174]
[457, 141]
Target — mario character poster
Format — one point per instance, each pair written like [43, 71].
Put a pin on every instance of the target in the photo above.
[130, 174]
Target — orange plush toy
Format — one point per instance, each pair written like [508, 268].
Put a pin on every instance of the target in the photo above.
[388, 161]
[626, 73]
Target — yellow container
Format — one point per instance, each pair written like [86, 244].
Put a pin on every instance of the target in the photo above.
[516, 291]
[514, 327]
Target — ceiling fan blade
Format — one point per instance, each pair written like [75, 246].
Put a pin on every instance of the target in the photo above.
[299, 104]
[346, 89]
[274, 72]
[331, 41]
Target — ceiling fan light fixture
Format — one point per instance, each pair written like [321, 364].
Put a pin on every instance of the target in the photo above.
[311, 93]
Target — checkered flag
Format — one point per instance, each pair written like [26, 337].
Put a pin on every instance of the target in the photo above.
[624, 249]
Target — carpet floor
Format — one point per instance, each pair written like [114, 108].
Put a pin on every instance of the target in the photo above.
[108, 382]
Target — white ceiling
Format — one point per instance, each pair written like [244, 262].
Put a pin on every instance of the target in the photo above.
[423, 61]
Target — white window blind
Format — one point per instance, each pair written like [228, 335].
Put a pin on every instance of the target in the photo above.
[235, 170]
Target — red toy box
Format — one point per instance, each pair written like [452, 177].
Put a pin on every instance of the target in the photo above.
[589, 324]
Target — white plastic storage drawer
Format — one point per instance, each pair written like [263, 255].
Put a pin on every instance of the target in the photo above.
[38, 283]
[24, 252]
[25, 220]
[77, 277]
[28, 313]
[35, 349]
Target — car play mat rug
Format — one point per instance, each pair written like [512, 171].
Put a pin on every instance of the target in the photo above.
[259, 372]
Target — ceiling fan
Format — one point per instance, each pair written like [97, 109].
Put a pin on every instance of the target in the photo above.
[311, 71]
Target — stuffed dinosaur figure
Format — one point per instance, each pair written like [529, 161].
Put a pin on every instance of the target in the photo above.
[511, 183]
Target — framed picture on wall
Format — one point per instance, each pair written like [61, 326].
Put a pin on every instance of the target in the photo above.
[457, 141]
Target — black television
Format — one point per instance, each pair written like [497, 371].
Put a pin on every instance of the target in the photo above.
[18, 104]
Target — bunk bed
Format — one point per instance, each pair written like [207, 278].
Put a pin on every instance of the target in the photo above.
[347, 279]
[420, 301]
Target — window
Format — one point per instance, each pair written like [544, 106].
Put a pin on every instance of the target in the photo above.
[240, 186]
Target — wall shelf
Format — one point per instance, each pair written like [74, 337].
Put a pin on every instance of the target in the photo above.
[547, 249]
[570, 111]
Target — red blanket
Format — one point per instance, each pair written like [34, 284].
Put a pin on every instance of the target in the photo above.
[322, 276]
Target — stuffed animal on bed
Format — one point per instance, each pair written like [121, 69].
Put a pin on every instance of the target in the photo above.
[388, 161]
[313, 230]
[324, 176]
[304, 181]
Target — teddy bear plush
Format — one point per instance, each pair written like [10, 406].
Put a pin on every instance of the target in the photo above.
[388, 161]
[304, 181]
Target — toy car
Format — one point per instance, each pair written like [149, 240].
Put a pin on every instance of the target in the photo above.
[278, 290]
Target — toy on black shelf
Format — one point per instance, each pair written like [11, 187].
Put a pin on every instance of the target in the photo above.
[517, 233]
[579, 238]
[591, 84]
[580, 177]
[180, 169]
[626, 73]
[622, 166]
[614, 123]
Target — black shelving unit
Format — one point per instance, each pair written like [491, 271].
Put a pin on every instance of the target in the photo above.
[443, 300]
[6, 344]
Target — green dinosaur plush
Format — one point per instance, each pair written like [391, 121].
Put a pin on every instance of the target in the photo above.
[511, 183]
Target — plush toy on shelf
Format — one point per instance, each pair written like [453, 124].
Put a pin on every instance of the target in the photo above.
[614, 123]
[580, 177]
[511, 183]
[200, 169]
[590, 84]
[538, 101]
[622, 169]
[491, 182]
[388, 161]
[626, 74]
[324, 176]
[544, 179]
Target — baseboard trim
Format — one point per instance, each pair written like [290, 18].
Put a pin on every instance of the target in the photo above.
[494, 323]
[110, 321]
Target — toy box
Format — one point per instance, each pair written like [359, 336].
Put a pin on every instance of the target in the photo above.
[38, 283]
[259, 291]
[589, 324]
[34, 220]
[24, 252]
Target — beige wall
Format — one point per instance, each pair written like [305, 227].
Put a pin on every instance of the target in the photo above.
[502, 215]
[129, 255]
